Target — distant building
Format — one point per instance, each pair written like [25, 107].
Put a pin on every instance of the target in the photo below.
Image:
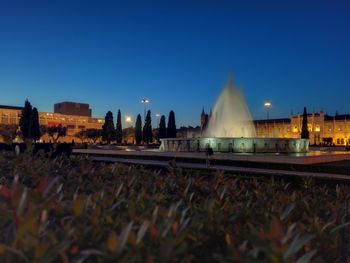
[323, 129]
[10, 115]
[204, 121]
[73, 108]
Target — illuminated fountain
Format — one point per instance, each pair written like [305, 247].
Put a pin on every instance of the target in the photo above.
[231, 129]
[230, 116]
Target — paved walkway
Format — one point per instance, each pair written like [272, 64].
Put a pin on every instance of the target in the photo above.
[258, 171]
[313, 157]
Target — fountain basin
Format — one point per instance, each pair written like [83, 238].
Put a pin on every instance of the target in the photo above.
[235, 145]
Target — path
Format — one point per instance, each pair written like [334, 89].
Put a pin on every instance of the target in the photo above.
[237, 169]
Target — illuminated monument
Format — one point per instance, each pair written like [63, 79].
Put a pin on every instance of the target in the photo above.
[230, 129]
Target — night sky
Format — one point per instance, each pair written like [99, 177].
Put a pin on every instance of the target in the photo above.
[111, 54]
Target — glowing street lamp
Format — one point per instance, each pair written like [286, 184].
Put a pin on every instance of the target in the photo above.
[144, 102]
[128, 120]
[267, 106]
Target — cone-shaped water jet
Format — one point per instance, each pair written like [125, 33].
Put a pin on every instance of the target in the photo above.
[230, 116]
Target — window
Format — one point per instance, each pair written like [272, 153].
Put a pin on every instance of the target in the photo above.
[4, 119]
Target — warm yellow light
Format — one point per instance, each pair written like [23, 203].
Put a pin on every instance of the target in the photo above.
[128, 119]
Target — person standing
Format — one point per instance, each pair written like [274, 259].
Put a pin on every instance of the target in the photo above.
[210, 157]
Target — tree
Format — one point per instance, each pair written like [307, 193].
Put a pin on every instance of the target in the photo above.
[8, 132]
[82, 135]
[147, 129]
[108, 130]
[171, 131]
[162, 128]
[25, 120]
[35, 133]
[138, 129]
[56, 132]
[119, 130]
[304, 129]
[94, 134]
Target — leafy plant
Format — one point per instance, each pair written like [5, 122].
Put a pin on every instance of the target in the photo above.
[74, 210]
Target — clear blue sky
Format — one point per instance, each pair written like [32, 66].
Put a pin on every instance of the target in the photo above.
[111, 54]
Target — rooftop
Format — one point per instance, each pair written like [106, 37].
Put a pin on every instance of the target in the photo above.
[10, 107]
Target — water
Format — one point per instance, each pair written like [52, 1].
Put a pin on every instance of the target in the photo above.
[230, 115]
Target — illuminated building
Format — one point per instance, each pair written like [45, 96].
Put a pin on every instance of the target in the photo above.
[10, 115]
[324, 129]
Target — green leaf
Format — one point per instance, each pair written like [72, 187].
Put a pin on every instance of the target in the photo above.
[307, 257]
[290, 207]
[142, 231]
[334, 230]
[124, 237]
[297, 243]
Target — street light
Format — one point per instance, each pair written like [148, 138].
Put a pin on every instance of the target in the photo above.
[267, 106]
[158, 116]
[144, 102]
[128, 120]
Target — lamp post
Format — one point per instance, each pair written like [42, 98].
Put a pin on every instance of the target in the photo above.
[158, 117]
[267, 106]
[144, 102]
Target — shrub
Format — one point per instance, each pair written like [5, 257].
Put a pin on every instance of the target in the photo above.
[60, 210]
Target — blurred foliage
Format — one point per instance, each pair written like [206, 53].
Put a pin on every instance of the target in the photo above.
[74, 210]
[8, 132]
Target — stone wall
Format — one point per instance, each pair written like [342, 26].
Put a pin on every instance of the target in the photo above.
[236, 145]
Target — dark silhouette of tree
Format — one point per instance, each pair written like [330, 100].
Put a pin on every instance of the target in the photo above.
[94, 134]
[82, 135]
[304, 130]
[171, 131]
[35, 133]
[147, 129]
[25, 120]
[108, 130]
[162, 128]
[119, 130]
[56, 132]
[138, 129]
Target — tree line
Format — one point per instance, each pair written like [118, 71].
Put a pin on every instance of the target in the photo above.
[142, 134]
[30, 130]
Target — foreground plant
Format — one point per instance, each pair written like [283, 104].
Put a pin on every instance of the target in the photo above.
[75, 210]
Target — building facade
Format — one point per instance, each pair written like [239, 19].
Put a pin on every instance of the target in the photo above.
[10, 115]
[324, 129]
